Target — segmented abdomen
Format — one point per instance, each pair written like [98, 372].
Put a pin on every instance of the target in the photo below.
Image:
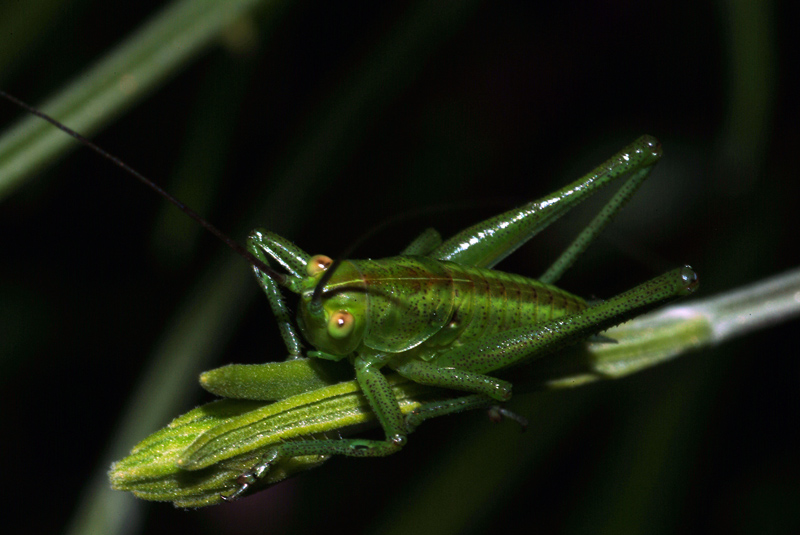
[487, 301]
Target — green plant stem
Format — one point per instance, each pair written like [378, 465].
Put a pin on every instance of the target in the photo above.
[675, 330]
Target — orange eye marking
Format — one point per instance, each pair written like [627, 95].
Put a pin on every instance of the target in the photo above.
[340, 324]
[317, 264]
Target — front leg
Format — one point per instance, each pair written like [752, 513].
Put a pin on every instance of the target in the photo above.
[269, 247]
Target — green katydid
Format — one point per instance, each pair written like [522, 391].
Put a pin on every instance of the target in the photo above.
[437, 314]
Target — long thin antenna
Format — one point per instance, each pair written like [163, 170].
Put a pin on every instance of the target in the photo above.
[280, 278]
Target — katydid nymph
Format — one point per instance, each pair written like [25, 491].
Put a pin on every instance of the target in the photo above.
[437, 314]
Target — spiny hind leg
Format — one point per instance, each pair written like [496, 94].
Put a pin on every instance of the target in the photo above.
[486, 243]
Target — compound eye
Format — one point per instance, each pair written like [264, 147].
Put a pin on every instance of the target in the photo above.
[341, 324]
[317, 264]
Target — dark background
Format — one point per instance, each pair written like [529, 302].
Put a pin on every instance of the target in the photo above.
[501, 103]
